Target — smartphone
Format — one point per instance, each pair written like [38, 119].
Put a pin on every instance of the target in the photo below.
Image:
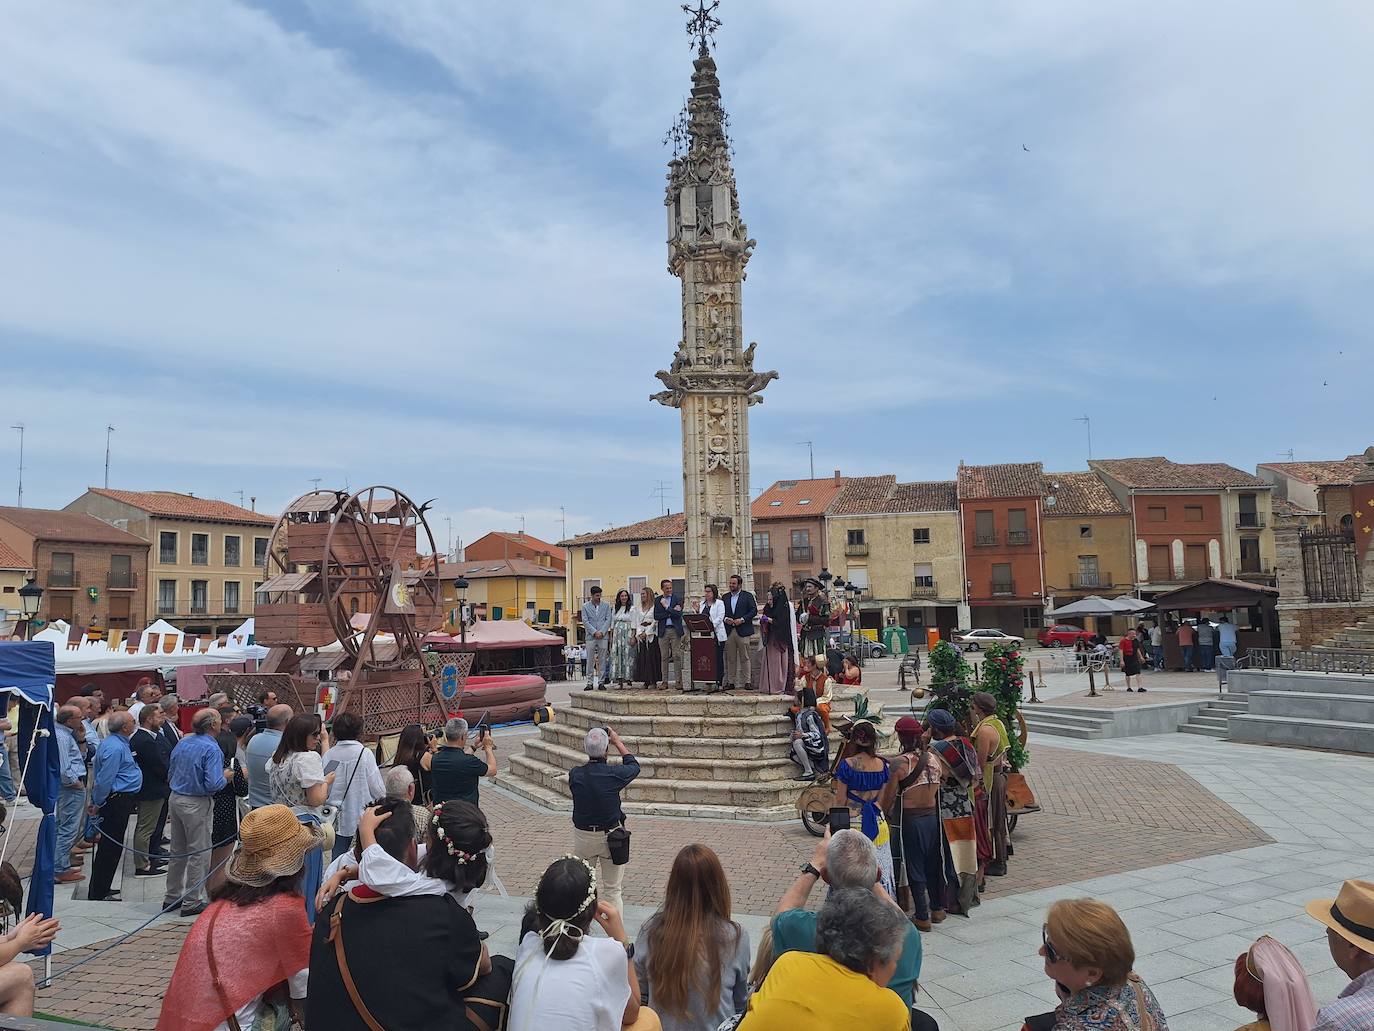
[331, 766]
[839, 818]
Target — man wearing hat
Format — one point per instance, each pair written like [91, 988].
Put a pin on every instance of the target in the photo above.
[813, 615]
[918, 775]
[1349, 920]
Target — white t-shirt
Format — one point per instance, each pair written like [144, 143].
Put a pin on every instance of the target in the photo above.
[588, 992]
[358, 774]
[289, 780]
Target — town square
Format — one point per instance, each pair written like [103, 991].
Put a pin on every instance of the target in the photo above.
[942, 597]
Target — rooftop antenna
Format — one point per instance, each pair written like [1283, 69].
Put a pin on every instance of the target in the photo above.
[316, 481]
[563, 517]
[1289, 453]
[449, 554]
[1089, 423]
[20, 427]
[522, 525]
[661, 489]
[108, 430]
[811, 451]
[240, 494]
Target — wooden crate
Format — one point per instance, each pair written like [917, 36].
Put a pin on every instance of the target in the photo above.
[290, 623]
[305, 543]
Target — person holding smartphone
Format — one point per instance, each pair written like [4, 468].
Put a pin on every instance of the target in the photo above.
[454, 772]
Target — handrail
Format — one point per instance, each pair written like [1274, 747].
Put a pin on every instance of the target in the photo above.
[1301, 660]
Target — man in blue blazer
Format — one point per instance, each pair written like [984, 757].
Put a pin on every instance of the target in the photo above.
[740, 612]
[672, 634]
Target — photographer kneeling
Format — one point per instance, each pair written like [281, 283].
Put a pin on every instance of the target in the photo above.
[596, 787]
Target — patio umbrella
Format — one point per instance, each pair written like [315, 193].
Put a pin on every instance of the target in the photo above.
[1092, 605]
[1133, 604]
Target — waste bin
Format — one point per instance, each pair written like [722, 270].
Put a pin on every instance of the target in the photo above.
[895, 640]
[932, 638]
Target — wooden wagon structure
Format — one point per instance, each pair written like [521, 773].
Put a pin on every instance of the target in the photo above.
[344, 596]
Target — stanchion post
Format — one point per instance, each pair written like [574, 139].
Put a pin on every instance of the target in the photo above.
[1092, 684]
[1034, 699]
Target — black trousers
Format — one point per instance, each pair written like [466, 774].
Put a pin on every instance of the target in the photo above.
[155, 845]
[114, 821]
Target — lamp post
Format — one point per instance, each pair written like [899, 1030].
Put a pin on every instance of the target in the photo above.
[30, 595]
[462, 587]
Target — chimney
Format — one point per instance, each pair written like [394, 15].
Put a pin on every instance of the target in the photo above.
[837, 476]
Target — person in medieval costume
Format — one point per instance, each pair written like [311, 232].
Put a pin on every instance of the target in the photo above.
[991, 742]
[813, 617]
[865, 784]
[779, 622]
[960, 769]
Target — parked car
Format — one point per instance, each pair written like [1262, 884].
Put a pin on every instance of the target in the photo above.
[1062, 635]
[846, 642]
[975, 640]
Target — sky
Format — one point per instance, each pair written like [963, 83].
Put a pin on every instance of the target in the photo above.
[421, 244]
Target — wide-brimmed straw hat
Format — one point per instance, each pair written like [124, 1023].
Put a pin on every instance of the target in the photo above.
[1350, 914]
[272, 844]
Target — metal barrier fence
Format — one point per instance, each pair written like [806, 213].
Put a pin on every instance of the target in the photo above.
[1298, 660]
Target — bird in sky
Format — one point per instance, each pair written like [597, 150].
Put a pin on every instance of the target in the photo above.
[1025, 148]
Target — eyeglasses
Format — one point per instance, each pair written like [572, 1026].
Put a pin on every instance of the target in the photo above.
[1050, 954]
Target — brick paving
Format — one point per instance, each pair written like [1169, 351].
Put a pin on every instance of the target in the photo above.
[1102, 815]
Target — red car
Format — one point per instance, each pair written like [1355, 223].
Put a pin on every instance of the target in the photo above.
[1061, 635]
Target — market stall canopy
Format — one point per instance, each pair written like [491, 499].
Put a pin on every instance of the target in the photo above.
[1133, 604]
[490, 634]
[1218, 595]
[161, 646]
[1092, 605]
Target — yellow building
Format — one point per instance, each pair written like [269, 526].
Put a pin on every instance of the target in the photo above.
[15, 570]
[1089, 546]
[206, 557]
[640, 555]
[512, 588]
[899, 543]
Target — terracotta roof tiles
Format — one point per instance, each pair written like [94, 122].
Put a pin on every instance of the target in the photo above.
[171, 505]
[11, 559]
[1010, 480]
[797, 498]
[1320, 474]
[480, 569]
[1080, 494]
[55, 524]
[1158, 473]
[883, 495]
[667, 527]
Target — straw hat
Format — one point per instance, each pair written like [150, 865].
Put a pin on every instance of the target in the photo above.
[272, 844]
[1350, 914]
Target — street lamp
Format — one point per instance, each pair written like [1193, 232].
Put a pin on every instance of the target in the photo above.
[30, 595]
[461, 586]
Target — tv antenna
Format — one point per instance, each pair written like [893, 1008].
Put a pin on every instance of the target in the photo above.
[661, 489]
[316, 481]
[20, 427]
[811, 452]
[1289, 453]
[1089, 424]
[108, 430]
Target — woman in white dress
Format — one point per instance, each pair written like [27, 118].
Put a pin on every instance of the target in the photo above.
[712, 606]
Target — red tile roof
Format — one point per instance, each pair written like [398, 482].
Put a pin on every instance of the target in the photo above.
[1159, 473]
[667, 527]
[1011, 480]
[171, 505]
[1284, 507]
[526, 540]
[1320, 474]
[11, 559]
[883, 495]
[55, 524]
[480, 569]
[1080, 494]
[797, 498]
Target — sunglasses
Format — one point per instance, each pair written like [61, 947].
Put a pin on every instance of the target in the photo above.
[1050, 954]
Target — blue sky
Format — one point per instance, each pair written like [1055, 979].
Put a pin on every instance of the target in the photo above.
[422, 243]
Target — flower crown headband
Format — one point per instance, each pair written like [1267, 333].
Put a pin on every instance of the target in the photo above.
[564, 925]
[459, 856]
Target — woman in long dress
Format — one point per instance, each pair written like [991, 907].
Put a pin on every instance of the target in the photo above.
[779, 623]
[624, 623]
[648, 665]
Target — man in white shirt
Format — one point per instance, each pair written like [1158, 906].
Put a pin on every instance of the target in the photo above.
[147, 694]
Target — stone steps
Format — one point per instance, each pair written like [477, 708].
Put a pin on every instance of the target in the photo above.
[675, 703]
[1319, 705]
[698, 726]
[676, 747]
[1214, 718]
[1194, 728]
[1062, 723]
[1303, 732]
[658, 767]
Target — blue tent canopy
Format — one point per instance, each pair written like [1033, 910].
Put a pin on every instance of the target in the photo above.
[29, 669]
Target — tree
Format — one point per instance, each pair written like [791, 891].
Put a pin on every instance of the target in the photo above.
[1003, 676]
[949, 682]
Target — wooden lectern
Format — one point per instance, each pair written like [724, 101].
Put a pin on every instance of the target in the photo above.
[702, 637]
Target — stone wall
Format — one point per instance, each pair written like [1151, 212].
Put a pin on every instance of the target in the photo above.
[1303, 623]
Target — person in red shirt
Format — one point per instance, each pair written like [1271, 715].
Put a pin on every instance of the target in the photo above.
[1130, 660]
[1187, 637]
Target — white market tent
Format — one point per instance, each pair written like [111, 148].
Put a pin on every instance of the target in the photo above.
[1093, 605]
[161, 646]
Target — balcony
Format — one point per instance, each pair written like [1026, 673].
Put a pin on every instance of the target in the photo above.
[985, 540]
[199, 610]
[121, 581]
[763, 556]
[1018, 537]
[799, 556]
[855, 550]
[166, 607]
[1089, 580]
[925, 587]
[1249, 521]
[64, 578]
[1003, 589]
[1258, 575]
[231, 609]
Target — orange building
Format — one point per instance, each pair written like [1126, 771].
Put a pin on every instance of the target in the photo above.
[999, 512]
[789, 541]
[498, 545]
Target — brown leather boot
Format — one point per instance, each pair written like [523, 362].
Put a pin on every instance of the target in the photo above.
[937, 916]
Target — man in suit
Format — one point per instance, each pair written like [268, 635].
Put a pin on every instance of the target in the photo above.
[672, 636]
[152, 754]
[740, 612]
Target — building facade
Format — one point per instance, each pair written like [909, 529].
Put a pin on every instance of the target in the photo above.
[15, 569]
[501, 545]
[635, 556]
[789, 541]
[1321, 487]
[92, 574]
[513, 588]
[999, 512]
[205, 559]
[900, 544]
[1191, 521]
[1087, 540]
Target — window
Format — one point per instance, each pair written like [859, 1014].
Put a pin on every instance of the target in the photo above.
[587, 553]
[231, 597]
[167, 547]
[799, 550]
[542, 617]
[558, 612]
[763, 548]
[1032, 618]
[200, 549]
[984, 531]
[1016, 527]
[63, 570]
[920, 535]
[803, 501]
[858, 576]
[1156, 514]
[636, 584]
[1085, 532]
[775, 504]
[1159, 562]
[62, 606]
[1249, 511]
[854, 537]
[677, 553]
[1001, 579]
[1192, 513]
[680, 588]
[166, 596]
[1348, 523]
[634, 551]
[801, 538]
[1250, 555]
[233, 550]
[1088, 575]
[259, 551]
[1195, 561]
[925, 574]
[587, 586]
[200, 597]
[121, 608]
[258, 598]
[762, 583]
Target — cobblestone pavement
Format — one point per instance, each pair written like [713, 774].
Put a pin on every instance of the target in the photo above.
[1104, 814]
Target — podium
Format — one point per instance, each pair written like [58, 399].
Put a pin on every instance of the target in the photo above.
[701, 637]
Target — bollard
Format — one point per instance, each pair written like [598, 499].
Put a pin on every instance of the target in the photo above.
[1031, 675]
[1092, 684]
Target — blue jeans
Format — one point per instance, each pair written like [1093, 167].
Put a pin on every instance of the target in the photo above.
[342, 843]
[7, 789]
[71, 804]
[314, 869]
[1187, 650]
[1206, 662]
[1229, 650]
